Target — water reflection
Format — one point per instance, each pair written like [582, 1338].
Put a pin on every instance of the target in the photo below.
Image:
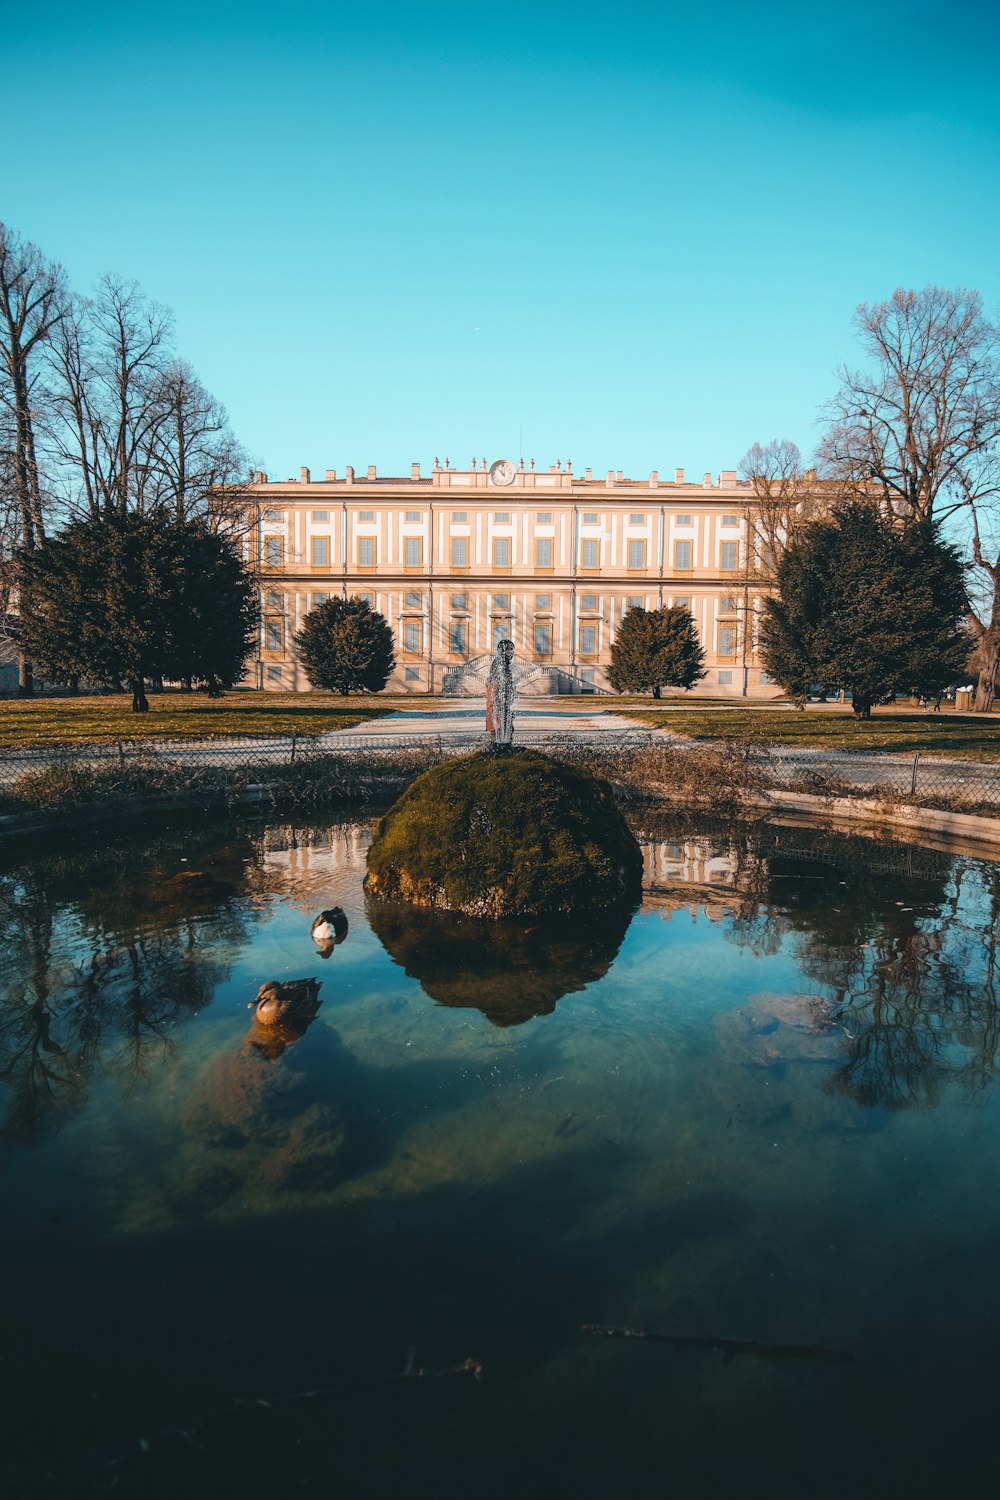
[511, 971]
[902, 938]
[105, 952]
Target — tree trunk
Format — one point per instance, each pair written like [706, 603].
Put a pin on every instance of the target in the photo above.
[988, 656]
[26, 679]
[656, 692]
[140, 703]
[862, 708]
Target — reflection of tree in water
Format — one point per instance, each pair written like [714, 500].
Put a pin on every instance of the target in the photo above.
[106, 950]
[509, 970]
[904, 938]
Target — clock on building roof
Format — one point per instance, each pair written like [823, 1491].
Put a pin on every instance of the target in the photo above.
[502, 472]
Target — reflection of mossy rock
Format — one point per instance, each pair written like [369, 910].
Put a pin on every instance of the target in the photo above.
[773, 1029]
[505, 833]
[509, 971]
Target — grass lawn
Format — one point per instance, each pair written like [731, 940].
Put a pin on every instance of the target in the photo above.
[65, 721]
[948, 734]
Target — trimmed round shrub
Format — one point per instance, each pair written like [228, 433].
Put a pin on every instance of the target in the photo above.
[505, 833]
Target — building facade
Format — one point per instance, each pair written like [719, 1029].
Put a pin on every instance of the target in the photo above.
[459, 559]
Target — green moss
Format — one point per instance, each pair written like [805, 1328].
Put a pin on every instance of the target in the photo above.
[505, 833]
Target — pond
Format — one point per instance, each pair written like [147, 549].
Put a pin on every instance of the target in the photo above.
[361, 1260]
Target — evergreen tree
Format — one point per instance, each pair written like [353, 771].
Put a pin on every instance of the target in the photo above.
[656, 648]
[137, 595]
[346, 646]
[868, 607]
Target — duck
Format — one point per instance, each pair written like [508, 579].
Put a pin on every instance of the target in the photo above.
[329, 927]
[286, 1003]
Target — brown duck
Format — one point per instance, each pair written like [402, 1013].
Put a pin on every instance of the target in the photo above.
[284, 1004]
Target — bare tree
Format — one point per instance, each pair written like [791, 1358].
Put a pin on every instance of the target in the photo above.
[920, 430]
[783, 494]
[109, 363]
[32, 304]
[194, 457]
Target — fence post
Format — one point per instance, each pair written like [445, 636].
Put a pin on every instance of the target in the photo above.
[913, 778]
[121, 751]
[292, 762]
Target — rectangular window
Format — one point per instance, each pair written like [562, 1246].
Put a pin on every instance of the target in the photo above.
[682, 556]
[727, 604]
[459, 601]
[274, 515]
[501, 518]
[501, 632]
[366, 515]
[588, 640]
[730, 520]
[368, 598]
[768, 557]
[637, 520]
[321, 516]
[273, 600]
[459, 637]
[727, 557]
[460, 551]
[413, 601]
[272, 551]
[414, 515]
[725, 679]
[543, 640]
[543, 552]
[682, 520]
[591, 518]
[273, 635]
[412, 635]
[320, 551]
[320, 599]
[459, 517]
[543, 601]
[637, 555]
[501, 601]
[588, 601]
[274, 674]
[413, 554]
[589, 555]
[727, 640]
[682, 601]
[366, 552]
[412, 674]
[544, 518]
[635, 601]
[501, 551]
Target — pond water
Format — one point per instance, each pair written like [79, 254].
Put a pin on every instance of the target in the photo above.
[763, 1108]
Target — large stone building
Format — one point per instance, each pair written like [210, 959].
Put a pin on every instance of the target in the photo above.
[460, 558]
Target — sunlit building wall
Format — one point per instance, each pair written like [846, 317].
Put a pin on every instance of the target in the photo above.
[459, 559]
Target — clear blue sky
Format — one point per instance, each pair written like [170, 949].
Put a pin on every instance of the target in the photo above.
[632, 235]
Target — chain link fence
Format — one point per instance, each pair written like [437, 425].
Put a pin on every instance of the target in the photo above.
[964, 785]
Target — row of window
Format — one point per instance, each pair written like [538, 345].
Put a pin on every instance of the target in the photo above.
[412, 636]
[413, 548]
[727, 605]
[500, 518]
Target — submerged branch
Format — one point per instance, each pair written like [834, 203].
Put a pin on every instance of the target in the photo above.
[728, 1347]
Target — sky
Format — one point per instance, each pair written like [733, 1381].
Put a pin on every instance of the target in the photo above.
[632, 236]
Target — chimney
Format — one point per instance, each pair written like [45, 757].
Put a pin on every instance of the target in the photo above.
[331, 476]
[654, 477]
[371, 471]
[618, 476]
[678, 476]
[707, 482]
[588, 473]
[304, 476]
[728, 477]
[349, 474]
[414, 471]
[258, 478]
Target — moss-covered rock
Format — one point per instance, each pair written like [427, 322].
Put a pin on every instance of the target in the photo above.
[505, 833]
